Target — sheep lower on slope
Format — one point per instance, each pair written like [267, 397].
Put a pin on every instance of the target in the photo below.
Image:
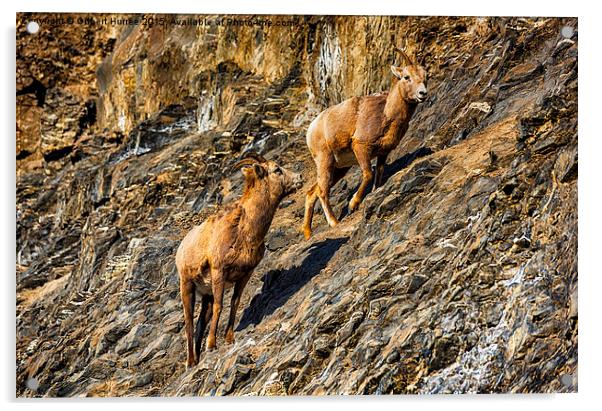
[224, 250]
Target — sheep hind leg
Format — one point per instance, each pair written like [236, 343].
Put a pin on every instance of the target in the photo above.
[338, 174]
[217, 285]
[363, 158]
[325, 179]
[310, 201]
[187, 292]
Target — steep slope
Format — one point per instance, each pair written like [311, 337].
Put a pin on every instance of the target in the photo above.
[458, 275]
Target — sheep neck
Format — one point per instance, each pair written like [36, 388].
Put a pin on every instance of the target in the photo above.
[397, 107]
[259, 207]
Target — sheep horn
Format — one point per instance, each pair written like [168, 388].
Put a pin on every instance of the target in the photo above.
[255, 156]
[248, 159]
[404, 56]
[244, 162]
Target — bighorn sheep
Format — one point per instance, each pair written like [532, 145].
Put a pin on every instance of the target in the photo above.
[358, 130]
[223, 251]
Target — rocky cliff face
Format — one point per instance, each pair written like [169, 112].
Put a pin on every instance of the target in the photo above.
[458, 275]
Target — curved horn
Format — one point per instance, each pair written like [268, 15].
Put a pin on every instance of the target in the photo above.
[244, 162]
[404, 56]
[248, 159]
[255, 156]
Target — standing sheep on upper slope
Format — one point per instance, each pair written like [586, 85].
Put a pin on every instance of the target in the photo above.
[358, 130]
[225, 249]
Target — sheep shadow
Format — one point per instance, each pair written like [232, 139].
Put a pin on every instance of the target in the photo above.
[404, 161]
[390, 170]
[280, 285]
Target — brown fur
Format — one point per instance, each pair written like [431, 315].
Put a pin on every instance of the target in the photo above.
[223, 251]
[358, 130]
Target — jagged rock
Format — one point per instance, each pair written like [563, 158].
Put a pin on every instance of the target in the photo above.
[458, 274]
[133, 338]
[141, 380]
[153, 350]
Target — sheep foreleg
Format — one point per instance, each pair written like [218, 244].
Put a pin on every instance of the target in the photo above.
[236, 295]
[380, 169]
[201, 323]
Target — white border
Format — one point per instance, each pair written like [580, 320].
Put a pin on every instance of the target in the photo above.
[589, 188]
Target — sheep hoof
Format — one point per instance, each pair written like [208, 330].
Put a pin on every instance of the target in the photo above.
[229, 338]
[307, 233]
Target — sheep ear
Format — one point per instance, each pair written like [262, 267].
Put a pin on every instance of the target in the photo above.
[259, 171]
[248, 171]
[396, 72]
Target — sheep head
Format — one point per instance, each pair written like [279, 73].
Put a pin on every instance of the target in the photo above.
[256, 169]
[411, 79]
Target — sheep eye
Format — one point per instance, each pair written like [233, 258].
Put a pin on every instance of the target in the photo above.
[407, 78]
[277, 170]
